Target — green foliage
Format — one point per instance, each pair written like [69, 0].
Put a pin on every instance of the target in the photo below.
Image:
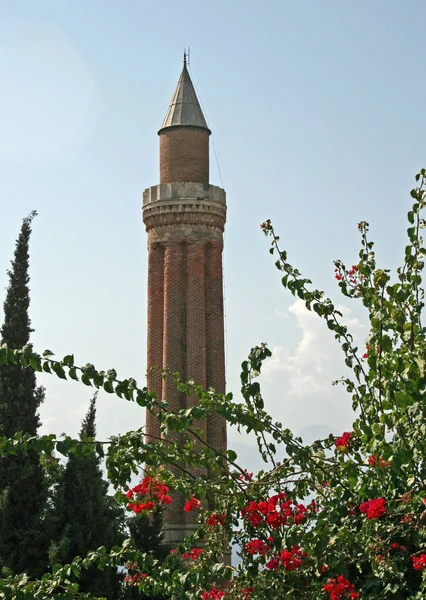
[23, 544]
[86, 517]
[368, 523]
[16, 328]
[146, 535]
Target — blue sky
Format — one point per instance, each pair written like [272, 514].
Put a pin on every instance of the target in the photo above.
[317, 113]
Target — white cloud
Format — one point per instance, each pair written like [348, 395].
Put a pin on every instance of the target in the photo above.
[297, 385]
[280, 313]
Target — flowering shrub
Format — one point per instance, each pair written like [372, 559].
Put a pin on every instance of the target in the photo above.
[341, 518]
[340, 588]
[193, 554]
[192, 504]
[342, 443]
[290, 559]
[147, 495]
[372, 460]
[419, 562]
[215, 519]
[214, 594]
[373, 508]
[134, 575]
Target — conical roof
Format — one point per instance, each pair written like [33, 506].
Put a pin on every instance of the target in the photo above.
[184, 109]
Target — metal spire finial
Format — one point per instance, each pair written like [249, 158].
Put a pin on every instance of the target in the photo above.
[184, 58]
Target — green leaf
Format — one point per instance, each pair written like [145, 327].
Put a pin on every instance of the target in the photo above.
[68, 360]
[108, 387]
[232, 456]
[86, 379]
[64, 446]
[99, 449]
[73, 373]
[57, 368]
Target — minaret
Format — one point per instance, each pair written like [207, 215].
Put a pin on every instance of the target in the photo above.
[185, 217]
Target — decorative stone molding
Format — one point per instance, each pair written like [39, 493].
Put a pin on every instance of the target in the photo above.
[184, 211]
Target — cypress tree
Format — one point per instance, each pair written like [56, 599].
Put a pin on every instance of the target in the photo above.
[86, 516]
[23, 545]
[146, 532]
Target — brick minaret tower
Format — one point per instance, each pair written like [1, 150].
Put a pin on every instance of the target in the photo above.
[185, 217]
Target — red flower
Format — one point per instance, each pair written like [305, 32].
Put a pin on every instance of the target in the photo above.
[246, 476]
[256, 547]
[419, 562]
[273, 564]
[337, 588]
[406, 519]
[214, 594]
[148, 492]
[274, 512]
[374, 508]
[193, 554]
[266, 226]
[372, 460]
[342, 443]
[215, 519]
[192, 504]
[291, 559]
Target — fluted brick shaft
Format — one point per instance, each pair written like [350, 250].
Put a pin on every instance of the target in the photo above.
[196, 366]
[215, 340]
[174, 341]
[155, 331]
[174, 319]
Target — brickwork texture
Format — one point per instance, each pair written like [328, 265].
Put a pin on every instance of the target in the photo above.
[184, 155]
[185, 287]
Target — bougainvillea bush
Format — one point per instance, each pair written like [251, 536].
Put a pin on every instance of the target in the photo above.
[339, 519]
